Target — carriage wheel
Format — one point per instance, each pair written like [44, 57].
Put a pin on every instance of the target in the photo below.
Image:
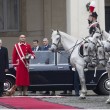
[104, 85]
[8, 83]
[96, 90]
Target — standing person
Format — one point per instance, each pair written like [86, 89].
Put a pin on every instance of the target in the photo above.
[4, 66]
[76, 82]
[36, 46]
[22, 52]
[93, 24]
[92, 20]
[46, 47]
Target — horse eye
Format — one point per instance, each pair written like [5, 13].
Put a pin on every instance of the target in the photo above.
[57, 38]
[97, 37]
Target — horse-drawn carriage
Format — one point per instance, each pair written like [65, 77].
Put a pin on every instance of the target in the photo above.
[91, 54]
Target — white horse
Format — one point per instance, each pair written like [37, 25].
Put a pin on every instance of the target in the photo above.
[105, 35]
[104, 48]
[104, 59]
[103, 52]
[72, 47]
[90, 48]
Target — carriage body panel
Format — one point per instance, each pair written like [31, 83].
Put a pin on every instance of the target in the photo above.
[51, 71]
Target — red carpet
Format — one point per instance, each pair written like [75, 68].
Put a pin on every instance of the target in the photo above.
[30, 103]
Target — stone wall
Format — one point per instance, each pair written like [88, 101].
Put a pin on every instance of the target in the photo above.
[36, 19]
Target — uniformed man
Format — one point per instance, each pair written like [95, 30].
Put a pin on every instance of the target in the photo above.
[92, 20]
[22, 52]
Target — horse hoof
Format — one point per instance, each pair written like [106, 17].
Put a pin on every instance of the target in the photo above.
[108, 101]
[82, 98]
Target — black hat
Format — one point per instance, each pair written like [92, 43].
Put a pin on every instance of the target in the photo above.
[94, 14]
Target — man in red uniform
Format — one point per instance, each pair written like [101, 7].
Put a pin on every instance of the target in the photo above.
[22, 52]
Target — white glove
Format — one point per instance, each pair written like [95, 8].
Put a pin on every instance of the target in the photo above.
[32, 57]
[15, 68]
[73, 69]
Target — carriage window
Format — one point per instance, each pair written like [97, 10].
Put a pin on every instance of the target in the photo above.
[62, 58]
[9, 14]
[43, 57]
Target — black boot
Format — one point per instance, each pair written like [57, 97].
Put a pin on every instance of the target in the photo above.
[47, 93]
[52, 93]
[70, 92]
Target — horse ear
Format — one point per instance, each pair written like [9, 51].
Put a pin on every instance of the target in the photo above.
[58, 31]
[52, 30]
[97, 29]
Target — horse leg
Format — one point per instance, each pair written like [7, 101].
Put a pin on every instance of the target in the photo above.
[80, 70]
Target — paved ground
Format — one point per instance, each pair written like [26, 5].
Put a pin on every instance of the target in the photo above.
[92, 101]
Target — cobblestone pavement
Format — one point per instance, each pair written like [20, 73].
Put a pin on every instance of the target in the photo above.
[92, 101]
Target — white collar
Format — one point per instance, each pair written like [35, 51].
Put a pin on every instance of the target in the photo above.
[22, 43]
[46, 46]
[94, 23]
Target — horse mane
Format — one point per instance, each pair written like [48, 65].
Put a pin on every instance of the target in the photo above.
[71, 38]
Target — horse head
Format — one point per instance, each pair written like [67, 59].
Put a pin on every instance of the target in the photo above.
[94, 40]
[56, 40]
[106, 39]
[90, 47]
[86, 50]
[101, 55]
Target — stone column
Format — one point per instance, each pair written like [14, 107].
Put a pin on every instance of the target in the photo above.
[101, 12]
[22, 18]
[47, 18]
[54, 16]
[72, 17]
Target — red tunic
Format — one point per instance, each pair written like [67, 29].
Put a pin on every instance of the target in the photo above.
[22, 74]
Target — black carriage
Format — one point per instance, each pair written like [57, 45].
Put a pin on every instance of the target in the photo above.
[51, 71]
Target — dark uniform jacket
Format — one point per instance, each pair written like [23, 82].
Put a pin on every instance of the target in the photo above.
[92, 28]
[4, 63]
[45, 48]
[34, 49]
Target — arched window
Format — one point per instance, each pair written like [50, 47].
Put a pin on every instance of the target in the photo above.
[9, 15]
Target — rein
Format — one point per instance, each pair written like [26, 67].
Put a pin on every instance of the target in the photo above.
[67, 51]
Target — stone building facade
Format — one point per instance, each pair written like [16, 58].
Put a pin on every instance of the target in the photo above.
[36, 18]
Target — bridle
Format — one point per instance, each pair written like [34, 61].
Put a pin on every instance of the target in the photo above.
[67, 51]
[90, 55]
[58, 41]
[57, 45]
[101, 46]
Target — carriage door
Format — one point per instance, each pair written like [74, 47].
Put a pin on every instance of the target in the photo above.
[107, 18]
